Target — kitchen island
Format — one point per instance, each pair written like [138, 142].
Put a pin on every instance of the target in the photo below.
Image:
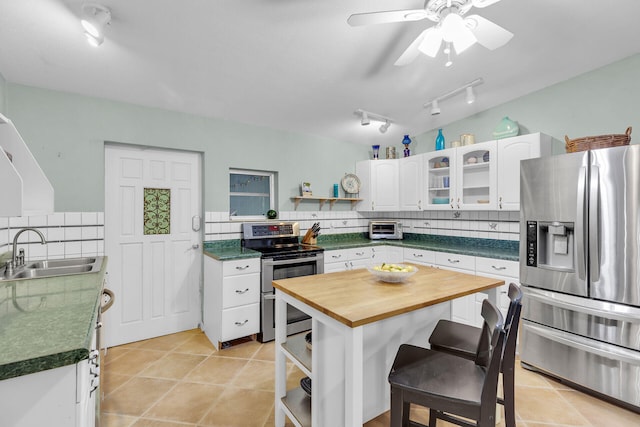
[358, 325]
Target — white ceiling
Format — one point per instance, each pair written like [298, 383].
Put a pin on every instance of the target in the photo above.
[297, 65]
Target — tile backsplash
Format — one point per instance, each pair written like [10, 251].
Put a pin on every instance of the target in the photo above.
[75, 234]
[498, 225]
[68, 235]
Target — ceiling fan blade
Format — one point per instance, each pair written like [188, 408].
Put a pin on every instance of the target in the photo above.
[489, 35]
[483, 3]
[412, 51]
[385, 17]
[432, 41]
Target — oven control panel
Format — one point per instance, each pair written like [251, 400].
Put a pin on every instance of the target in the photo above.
[270, 229]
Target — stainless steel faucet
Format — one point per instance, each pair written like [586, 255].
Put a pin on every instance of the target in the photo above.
[18, 260]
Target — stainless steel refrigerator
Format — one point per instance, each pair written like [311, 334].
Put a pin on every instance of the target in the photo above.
[580, 270]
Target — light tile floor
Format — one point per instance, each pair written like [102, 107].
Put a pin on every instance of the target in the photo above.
[180, 380]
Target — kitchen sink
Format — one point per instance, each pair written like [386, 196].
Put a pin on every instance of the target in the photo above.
[55, 267]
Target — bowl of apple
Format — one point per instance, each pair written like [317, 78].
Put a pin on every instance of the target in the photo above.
[392, 273]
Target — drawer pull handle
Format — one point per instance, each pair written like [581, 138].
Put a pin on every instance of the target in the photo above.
[359, 253]
[453, 261]
[336, 256]
[239, 267]
[498, 268]
[418, 255]
[238, 291]
[242, 323]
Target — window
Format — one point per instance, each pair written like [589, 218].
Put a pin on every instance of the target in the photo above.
[251, 193]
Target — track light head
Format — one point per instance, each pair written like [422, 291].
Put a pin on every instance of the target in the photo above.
[365, 119]
[471, 97]
[435, 110]
[385, 126]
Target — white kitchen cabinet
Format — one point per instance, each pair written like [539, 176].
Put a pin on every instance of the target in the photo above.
[379, 185]
[506, 270]
[231, 301]
[510, 152]
[464, 309]
[26, 189]
[419, 256]
[64, 396]
[410, 185]
[476, 177]
[439, 179]
[349, 259]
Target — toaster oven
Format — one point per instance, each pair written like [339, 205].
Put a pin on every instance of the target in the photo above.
[385, 230]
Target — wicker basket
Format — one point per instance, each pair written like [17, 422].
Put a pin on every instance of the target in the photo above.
[601, 141]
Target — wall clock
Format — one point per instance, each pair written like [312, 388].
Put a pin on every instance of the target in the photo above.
[351, 183]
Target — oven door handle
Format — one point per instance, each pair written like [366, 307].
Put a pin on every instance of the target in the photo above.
[269, 296]
[291, 261]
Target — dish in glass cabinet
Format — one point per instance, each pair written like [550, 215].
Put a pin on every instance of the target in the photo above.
[392, 273]
[307, 340]
[305, 385]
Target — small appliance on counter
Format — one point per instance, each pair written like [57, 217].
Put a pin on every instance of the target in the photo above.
[383, 229]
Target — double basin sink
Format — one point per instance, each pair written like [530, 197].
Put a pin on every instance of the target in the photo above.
[55, 267]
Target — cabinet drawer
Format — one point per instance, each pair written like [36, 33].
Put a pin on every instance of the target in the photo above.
[419, 256]
[497, 266]
[240, 290]
[359, 253]
[241, 266]
[335, 256]
[240, 321]
[449, 260]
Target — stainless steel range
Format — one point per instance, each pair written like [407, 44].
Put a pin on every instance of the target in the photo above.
[283, 257]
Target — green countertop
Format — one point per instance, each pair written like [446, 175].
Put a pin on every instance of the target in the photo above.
[489, 248]
[47, 323]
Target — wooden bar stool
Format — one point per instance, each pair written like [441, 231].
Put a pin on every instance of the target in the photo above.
[462, 340]
[450, 386]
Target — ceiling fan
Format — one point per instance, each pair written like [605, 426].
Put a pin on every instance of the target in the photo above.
[452, 27]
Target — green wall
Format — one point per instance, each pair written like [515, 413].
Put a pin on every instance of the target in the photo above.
[599, 102]
[3, 97]
[66, 134]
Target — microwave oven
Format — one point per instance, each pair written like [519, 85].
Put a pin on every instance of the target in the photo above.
[385, 230]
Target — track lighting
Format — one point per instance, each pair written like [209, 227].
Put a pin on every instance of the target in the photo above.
[366, 117]
[94, 20]
[435, 110]
[470, 96]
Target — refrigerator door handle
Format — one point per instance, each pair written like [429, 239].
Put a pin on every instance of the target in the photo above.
[617, 312]
[594, 224]
[584, 344]
[580, 233]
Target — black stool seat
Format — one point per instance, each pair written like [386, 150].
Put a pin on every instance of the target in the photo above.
[455, 338]
[448, 380]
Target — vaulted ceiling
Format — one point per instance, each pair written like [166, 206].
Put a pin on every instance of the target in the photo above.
[297, 65]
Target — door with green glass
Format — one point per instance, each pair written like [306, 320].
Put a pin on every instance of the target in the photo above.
[152, 238]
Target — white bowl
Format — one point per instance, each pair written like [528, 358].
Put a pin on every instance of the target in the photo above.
[392, 276]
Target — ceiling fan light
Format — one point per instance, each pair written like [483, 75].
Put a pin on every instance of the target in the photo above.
[95, 18]
[464, 40]
[431, 43]
[94, 41]
[471, 97]
[451, 25]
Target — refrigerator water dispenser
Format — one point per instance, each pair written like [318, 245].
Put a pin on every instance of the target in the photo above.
[550, 245]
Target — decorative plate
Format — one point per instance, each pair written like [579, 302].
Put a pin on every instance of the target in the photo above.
[305, 385]
[351, 183]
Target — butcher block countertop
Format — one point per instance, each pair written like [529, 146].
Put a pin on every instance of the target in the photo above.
[356, 297]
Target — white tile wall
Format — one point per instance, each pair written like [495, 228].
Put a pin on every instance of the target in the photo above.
[476, 224]
[68, 234]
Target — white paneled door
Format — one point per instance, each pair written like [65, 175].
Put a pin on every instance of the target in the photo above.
[152, 239]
